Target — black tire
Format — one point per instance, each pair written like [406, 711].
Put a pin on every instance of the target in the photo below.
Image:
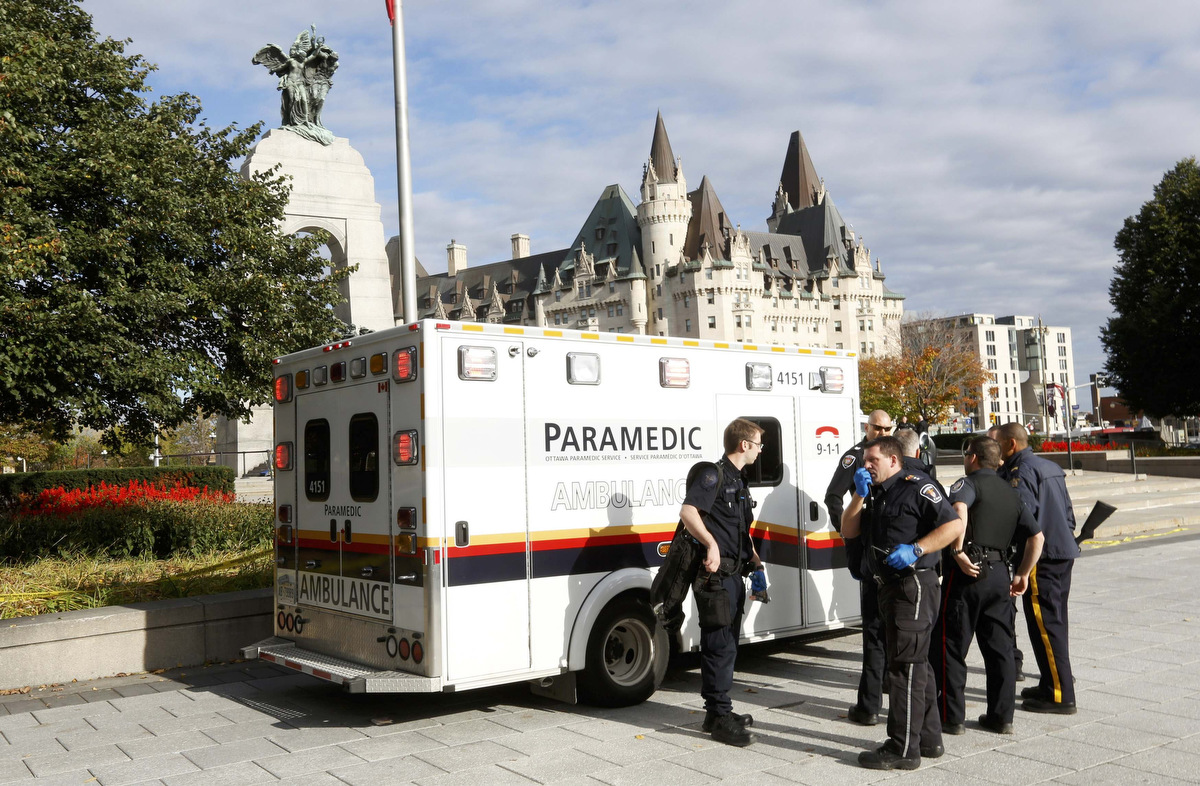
[627, 654]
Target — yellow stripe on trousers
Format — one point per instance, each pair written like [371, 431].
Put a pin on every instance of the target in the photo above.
[1037, 614]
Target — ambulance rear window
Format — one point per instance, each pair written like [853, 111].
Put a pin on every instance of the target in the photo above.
[364, 457]
[316, 460]
[768, 470]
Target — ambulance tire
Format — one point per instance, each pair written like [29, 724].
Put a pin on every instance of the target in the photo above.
[627, 655]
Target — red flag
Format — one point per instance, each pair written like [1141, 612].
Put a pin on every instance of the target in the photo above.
[391, 9]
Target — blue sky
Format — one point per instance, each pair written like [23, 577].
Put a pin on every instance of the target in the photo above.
[987, 152]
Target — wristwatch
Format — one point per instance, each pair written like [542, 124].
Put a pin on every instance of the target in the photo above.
[956, 550]
[918, 550]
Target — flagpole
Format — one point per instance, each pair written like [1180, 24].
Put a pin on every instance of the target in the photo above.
[408, 268]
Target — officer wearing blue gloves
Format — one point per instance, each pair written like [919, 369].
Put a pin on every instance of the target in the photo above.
[903, 521]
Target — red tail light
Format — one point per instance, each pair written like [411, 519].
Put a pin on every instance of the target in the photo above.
[283, 388]
[405, 448]
[406, 364]
[283, 456]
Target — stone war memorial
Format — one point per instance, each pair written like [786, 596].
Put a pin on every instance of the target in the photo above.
[332, 190]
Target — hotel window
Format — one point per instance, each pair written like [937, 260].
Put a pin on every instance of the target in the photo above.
[610, 311]
[712, 299]
[991, 349]
[712, 322]
[687, 301]
[837, 326]
[687, 325]
[620, 310]
[737, 321]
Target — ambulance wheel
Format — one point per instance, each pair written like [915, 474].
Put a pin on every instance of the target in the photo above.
[627, 655]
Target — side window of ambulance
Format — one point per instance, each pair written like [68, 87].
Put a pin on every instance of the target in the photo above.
[768, 470]
[364, 457]
[316, 460]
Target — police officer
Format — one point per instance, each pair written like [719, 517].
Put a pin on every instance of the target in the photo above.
[977, 591]
[870, 683]
[1042, 486]
[717, 511]
[910, 444]
[903, 521]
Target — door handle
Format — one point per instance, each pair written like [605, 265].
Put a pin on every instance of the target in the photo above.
[813, 511]
[347, 532]
[462, 533]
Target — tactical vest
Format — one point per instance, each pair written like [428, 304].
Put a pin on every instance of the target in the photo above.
[994, 515]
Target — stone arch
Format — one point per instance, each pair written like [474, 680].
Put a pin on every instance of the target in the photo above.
[335, 228]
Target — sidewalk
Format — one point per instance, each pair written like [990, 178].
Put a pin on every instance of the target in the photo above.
[1135, 653]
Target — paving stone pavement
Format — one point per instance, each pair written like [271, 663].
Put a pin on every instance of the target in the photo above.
[1135, 639]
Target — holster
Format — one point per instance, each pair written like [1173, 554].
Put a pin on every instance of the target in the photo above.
[712, 601]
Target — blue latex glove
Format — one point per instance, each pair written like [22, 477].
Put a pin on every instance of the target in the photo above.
[862, 482]
[758, 586]
[902, 556]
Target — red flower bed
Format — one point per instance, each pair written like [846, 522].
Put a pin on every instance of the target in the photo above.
[1061, 447]
[60, 501]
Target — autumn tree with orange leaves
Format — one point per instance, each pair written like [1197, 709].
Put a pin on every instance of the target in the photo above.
[936, 371]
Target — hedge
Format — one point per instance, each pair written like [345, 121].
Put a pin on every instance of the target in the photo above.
[158, 529]
[19, 484]
[954, 441]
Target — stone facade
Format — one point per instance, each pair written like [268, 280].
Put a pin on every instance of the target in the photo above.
[675, 264]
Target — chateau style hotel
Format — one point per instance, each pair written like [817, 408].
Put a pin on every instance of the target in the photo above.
[675, 264]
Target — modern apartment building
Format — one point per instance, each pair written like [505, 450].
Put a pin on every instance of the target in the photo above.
[1031, 368]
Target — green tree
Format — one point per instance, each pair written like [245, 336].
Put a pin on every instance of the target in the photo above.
[1151, 343]
[142, 280]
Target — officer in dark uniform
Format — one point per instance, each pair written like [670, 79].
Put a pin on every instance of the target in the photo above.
[1042, 486]
[870, 683]
[977, 591]
[718, 512]
[910, 443]
[903, 521]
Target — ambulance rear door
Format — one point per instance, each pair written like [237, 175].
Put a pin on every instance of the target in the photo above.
[344, 559]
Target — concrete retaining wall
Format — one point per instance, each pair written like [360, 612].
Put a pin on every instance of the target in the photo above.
[1118, 461]
[161, 634]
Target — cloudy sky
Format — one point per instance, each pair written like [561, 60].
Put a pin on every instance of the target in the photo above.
[987, 152]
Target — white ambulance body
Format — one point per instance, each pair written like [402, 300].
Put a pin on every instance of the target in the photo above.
[462, 505]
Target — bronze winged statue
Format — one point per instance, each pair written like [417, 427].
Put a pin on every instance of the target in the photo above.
[305, 76]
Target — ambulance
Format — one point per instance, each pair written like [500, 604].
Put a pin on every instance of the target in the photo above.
[461, 505]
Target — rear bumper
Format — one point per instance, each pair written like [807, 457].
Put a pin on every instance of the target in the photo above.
[354, 677]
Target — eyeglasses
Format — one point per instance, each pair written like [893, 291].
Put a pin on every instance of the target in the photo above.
[877, 427]
[760, 445]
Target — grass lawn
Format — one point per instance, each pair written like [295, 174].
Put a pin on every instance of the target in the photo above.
[54, 584]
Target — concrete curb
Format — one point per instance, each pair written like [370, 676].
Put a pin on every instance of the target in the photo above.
[90, 643]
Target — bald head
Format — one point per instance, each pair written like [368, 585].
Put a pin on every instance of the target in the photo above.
[879, 424]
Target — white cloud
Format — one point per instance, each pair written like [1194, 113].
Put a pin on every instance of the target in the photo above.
[988, 152]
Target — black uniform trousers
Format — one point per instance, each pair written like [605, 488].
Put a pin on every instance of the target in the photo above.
[874, 654]
[909, 607]
[718, 651]
[979, 608]
[1046, 616]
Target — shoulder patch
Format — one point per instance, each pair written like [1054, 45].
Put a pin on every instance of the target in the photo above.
[958, 484]
[708, 479]
[847, 461]
[930, 492]
[1016, 483]
[911, 478]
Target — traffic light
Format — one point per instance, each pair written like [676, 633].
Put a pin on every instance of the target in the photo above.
[1102, 381]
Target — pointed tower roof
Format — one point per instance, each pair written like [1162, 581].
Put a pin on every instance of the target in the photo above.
[708, 223]
[799, 177]
[661, 155]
